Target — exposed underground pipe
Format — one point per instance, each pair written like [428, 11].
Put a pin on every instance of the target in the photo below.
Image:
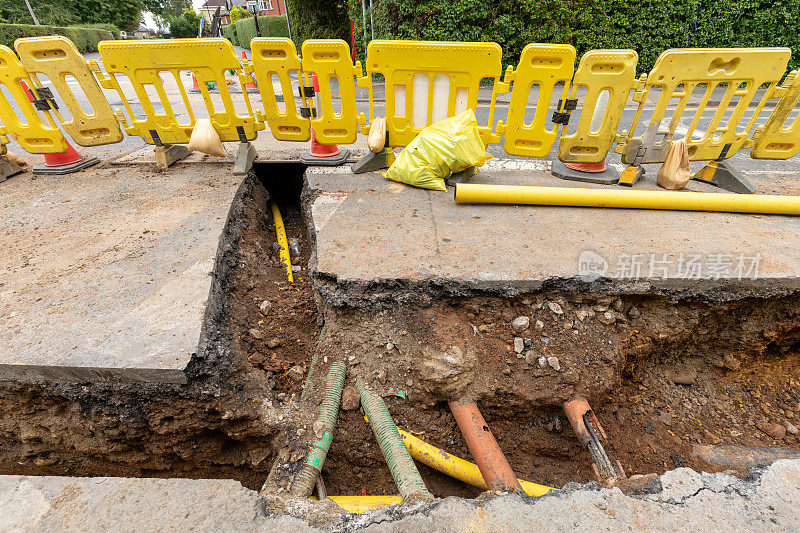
[484, 448]
[322, 493]
[280, 232]
[456, 467]
[592, 436]
[305, 480]
[672, 200]
[270, 486]
[404, 471]
[744, 457]
[359, 504]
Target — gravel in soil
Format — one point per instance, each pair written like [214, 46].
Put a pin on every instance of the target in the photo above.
[654, 406]
[653, 410]
[278, 325]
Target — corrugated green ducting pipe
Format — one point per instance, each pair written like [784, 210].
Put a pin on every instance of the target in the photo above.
[404, 471]
[305, 480]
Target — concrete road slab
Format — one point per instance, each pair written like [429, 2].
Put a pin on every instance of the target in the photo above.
[52, 503]
[369, 229]
[766, 500]
[105, 273]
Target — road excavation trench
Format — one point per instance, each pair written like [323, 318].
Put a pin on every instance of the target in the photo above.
[663, 374]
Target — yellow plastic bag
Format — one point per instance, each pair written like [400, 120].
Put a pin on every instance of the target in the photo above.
[450, 145]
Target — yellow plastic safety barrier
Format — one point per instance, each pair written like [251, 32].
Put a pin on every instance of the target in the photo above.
[426, 82]
[278, 58]
[778, 140]
[677, 73]
[330, 60]
[143, 62]
[56, 57]
[542, 66]
[35, 133]
[608, 76]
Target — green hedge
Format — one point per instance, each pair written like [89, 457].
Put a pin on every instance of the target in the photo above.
[85, 38]
[647, 26]
[229, 31]
[270, 26]
[103, 26]
[319, 19]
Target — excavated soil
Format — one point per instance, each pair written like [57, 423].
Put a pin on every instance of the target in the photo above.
[223, 423]
[661, 374]
[678, 373]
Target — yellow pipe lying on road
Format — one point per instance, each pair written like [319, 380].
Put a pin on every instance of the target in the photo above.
[359, 504]
[280, 232]
[585, 197]
[456, 467]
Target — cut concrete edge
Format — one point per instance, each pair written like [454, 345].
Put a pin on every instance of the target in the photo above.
[357, 293]
[769, 496]
[34, 373]
[167, 376]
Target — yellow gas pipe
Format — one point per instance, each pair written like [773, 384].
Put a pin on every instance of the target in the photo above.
[280, 232]
[359, 504]
[584, 197]
[456, 467]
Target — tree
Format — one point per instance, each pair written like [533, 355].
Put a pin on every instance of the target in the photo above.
[185, 26]
[47, 12]
[165, 11]
[124, 14]
[237, 13]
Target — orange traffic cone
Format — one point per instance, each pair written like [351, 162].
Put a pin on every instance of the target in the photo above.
[588, 172]
[195, 85]
[592, 168]
[66, 163]
[322, 154]
[252, 86]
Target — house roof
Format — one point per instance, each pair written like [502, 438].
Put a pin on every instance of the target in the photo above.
[212, 5]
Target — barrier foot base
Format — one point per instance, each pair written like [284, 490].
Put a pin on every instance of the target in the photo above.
[606, 177]
[244, 159]
[374, 161]
[8, 169]
[66, 169]
[168, 154]
[332, 161]
[631, 175]
[461, 177]
[724, 176]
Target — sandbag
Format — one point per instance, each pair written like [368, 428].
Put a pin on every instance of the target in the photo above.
[448, 146]
[377, 135]
[674, 174]
[206, 139]
[17, 160]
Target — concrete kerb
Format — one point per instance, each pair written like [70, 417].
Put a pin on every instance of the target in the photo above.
[767, 499]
